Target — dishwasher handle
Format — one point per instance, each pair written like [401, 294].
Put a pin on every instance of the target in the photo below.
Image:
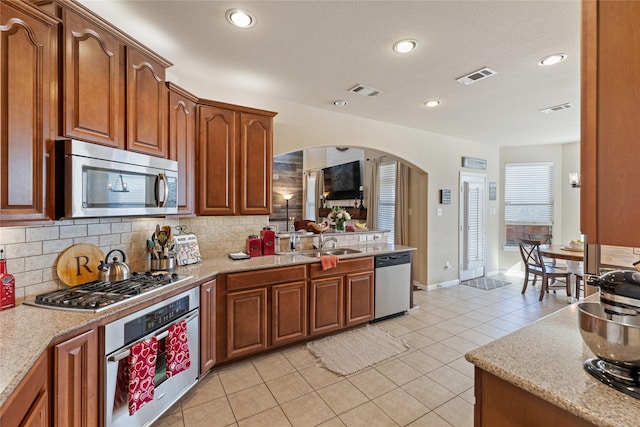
[390, 260]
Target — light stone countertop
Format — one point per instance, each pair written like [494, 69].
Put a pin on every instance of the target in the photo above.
[546, 359]
[26, 331]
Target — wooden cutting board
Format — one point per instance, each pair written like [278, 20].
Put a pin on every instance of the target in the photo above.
[78, 264]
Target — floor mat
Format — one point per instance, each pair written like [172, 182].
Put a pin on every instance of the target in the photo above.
[354, 350]
[486, 283]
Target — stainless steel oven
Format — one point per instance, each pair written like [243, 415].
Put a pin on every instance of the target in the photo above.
[125, 333]
[95, 181]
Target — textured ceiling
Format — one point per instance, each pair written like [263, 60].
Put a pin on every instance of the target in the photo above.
[312, 52]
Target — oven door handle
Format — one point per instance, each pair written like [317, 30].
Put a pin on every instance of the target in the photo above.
[162, 335]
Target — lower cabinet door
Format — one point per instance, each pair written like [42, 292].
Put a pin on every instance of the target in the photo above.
[207, 326]
[246, 322]
[326, 305]
[288, 312]
[76, 381]
[360, 298]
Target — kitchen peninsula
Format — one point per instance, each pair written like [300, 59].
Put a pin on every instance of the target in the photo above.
[28, 333]
[535, 377]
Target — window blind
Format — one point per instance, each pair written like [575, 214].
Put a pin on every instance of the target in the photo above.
[387, 197]
[528, 193]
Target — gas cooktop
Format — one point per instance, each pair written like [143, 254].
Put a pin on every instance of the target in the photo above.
[97, 296]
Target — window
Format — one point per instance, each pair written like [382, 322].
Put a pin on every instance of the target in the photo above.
[528, 200]
[310, 203]
[387, 198]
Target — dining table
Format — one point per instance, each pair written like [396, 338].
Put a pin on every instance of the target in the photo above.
[573, 257]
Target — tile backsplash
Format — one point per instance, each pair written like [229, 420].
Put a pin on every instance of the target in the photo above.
[32, 251]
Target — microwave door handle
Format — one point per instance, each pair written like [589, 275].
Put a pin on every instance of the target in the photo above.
[163, 179]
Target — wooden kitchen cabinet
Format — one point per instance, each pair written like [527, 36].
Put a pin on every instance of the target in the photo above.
[76, 384]
[326, 305]
[288, 312]
[255, 171]
[235, 158]
[207, 325]
[360, 297]
[28, 94]
[502, 404]
[216, 150]
[610, 101]
[342, 296]
[182, 144]
[146, 104]
[246, 322]
[262, 309]
[93, 102]
[28, 405]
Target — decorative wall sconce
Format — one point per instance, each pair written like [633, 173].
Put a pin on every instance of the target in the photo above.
[574, 179]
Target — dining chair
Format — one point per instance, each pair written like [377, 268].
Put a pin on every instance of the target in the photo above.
[534, 265]
[544, 239]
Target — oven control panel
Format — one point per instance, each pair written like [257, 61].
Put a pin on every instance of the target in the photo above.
[147, 323]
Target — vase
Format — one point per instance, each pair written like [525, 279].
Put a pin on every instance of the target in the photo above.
[340, 225]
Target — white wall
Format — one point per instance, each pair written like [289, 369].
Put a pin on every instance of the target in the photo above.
[297, 127]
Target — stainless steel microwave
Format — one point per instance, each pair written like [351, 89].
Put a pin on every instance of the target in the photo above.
[97, 181]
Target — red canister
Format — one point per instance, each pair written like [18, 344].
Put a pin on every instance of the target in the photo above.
[7, 285]
[253, 245]
[268, 238]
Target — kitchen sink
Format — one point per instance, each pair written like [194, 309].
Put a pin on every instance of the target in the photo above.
[336, 251]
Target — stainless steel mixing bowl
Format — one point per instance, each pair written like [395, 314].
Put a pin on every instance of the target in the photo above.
[615, 339]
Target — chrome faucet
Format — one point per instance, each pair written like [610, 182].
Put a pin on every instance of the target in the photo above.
[330, 239]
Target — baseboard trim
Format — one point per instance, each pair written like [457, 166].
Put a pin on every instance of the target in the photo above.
[443, 284]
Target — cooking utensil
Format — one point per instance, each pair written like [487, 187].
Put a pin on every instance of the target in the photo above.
[114, 271]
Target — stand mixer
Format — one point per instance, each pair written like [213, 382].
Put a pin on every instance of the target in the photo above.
[611, 330]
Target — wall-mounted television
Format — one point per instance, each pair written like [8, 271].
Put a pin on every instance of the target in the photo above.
[342, 181]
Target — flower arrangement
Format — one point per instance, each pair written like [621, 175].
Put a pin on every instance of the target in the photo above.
[340, 216]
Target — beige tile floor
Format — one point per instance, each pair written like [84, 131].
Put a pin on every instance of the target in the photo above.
[429, 385]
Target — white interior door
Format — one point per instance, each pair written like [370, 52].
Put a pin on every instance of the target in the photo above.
[473, 225]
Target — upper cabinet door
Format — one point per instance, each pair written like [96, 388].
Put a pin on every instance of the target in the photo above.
[182, 144]
[28, 88]
[146, 105]
[216, 160]
[610, 122]
[256, 160]
[93, 102]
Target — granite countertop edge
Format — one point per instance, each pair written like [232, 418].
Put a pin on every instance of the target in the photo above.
[553, 369]
[28, 331]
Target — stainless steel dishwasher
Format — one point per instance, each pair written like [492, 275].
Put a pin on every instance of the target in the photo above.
[392, 284]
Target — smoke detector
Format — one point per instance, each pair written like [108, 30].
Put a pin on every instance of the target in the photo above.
[555, 108]
[365, 91]
[476, 76]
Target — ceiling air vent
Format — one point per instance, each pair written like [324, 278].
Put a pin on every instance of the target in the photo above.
[365, 91]
[478, 75]
[555, 108]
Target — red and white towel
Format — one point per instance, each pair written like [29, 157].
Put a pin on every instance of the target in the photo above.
[142, 369]
[177, 348]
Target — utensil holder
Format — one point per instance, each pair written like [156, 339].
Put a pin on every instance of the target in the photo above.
[164, 264]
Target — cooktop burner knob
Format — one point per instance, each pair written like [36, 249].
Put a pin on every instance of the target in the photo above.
[174, 275]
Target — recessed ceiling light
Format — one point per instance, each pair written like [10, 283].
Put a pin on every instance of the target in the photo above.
[432, 103]
[340, 103]
[552, 59]
[405, 46]
[240, 18]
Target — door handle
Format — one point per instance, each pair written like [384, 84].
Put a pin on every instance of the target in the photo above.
[165, 183]
[162, 335]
